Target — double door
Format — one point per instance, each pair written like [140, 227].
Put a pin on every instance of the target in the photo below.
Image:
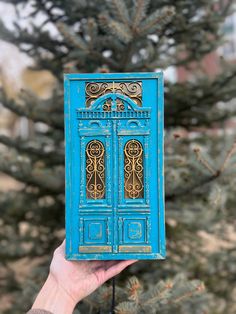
[114, 207]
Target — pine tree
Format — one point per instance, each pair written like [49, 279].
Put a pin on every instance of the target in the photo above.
[127, 36]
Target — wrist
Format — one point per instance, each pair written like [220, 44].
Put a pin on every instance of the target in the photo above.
[53, 298]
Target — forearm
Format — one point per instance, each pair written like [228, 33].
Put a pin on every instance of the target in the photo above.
[53, 298]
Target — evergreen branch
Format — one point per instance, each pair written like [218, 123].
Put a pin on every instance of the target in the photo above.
[14, 209]
[77, 41]
[42, 5]
[34, 110]
[35, 149]
[74, 39]
[95, 55]
[120, 11]
[230, 153]
[156, 20]
[134, 287]
[105, 294]
[139, 13]
[92, 31]
[118, 29]
[41, 39]
[226, 6]
[21, 168]
[125, 61]
[40, 204]
[184, 107]
[6, 34]
[12, 1]
[126, 308]
[108, 41]
[198, 289]
[206, 180]
[203, 161]
[159, 292]
[191, 188]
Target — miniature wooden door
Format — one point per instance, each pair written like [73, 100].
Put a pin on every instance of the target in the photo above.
[114, 166]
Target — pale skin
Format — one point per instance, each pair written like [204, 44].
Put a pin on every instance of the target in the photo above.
[69, 282]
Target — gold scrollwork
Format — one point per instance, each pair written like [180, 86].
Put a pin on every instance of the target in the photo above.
[95, 170]
[131, 89]
[119, 105]
[107, 105]
[133, 169]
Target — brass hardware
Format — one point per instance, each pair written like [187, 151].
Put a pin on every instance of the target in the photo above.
[107, 105]
[135, 248]
[95, 170]
[95, 249]
[131, 89]
[119, 105]
[133, 169]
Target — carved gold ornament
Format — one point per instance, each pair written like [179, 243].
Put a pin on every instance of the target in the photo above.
[133, 169]
[131, 89]
[120, 105]
[95, 170]
[108, 103]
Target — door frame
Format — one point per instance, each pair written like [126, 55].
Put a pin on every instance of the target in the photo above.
[74, 86]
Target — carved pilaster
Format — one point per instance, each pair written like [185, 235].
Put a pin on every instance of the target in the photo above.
[146, 170]
[121, 168]
[82, 170]
[81, 231]
[148, 229]
[108, 168]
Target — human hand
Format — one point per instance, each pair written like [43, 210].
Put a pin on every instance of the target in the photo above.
[81, 278]
[71, 281]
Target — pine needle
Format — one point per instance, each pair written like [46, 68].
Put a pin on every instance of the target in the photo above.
[126, 308]
[203, 161]
[75, 39]
[140, 9]
[133, 287]
[230, 153]
[119, 10]
[157, 20]
[115, 28]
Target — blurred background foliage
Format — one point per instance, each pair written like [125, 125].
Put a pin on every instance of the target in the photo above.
[194, 42]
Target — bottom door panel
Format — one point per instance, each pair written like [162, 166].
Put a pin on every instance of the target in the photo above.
[134, 234]
[95, 235]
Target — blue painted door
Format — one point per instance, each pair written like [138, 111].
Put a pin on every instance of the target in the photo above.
[114, 210]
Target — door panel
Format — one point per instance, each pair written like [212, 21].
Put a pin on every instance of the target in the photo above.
[133, 163]
[133, 170]
[134, 230]
[95, 187]
[95, 232]
[95, 170]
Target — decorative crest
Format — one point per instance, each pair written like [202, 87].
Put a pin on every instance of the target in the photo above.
[94, 90]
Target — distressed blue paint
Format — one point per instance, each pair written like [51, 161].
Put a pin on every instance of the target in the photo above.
[114, 221]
